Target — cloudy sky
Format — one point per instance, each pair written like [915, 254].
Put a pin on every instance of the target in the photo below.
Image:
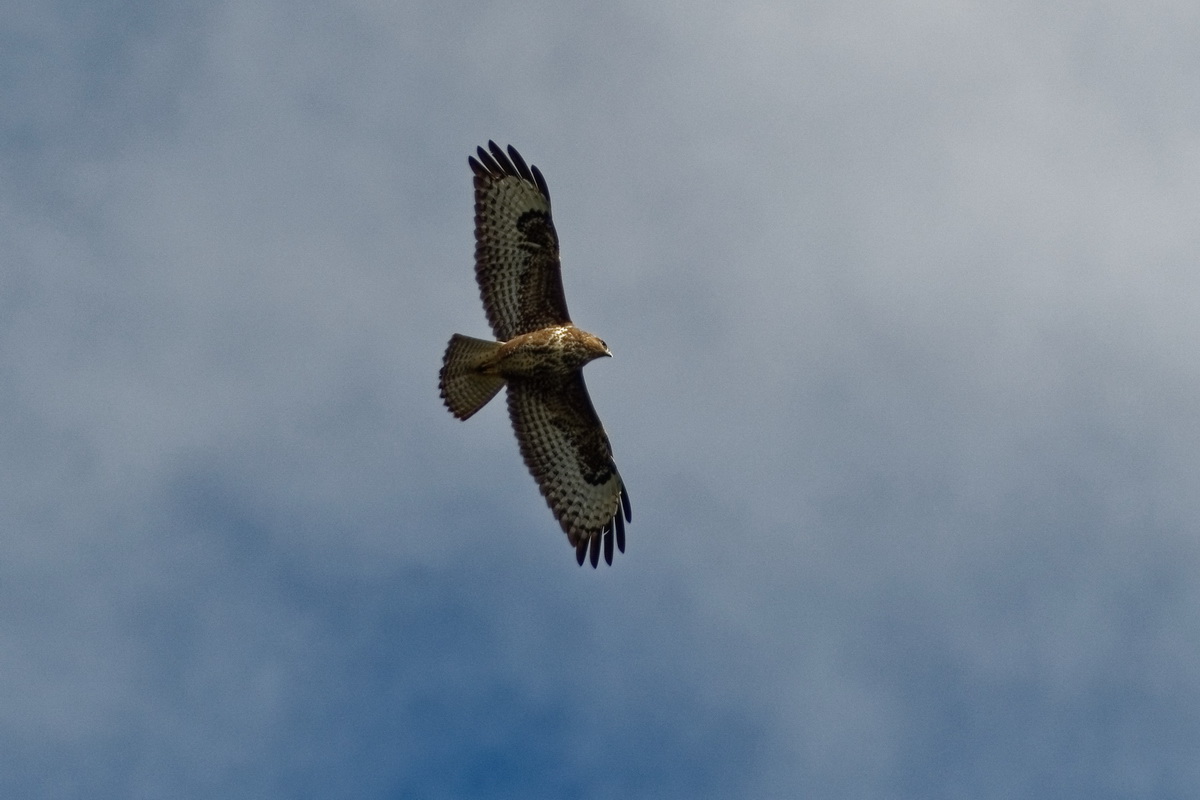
[904, 305]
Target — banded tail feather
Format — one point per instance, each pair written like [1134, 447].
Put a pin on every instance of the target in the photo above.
[464, 387]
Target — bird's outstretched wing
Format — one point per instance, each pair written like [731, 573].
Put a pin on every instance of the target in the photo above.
[567, 451]
[516, 247]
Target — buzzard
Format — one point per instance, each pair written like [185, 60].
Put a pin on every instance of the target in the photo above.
[539, 356]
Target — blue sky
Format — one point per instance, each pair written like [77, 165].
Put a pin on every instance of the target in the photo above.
[903, 301]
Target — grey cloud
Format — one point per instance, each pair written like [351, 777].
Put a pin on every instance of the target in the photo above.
[901, 304]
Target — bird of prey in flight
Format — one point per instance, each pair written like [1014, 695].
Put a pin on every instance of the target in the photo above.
[539, 356]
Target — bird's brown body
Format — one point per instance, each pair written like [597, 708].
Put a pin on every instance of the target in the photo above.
[546, 354]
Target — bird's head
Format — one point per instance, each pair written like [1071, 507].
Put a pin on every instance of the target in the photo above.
[596, 347]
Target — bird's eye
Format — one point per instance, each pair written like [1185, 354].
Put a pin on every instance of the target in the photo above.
[604, 344]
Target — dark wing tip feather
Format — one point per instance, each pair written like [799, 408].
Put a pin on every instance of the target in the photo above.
[610, 534]
[494, 162]
[519, 163]
[541, 183]
[488, 162]
[506, 166]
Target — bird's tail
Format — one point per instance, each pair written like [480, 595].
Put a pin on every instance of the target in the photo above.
[465, 387]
